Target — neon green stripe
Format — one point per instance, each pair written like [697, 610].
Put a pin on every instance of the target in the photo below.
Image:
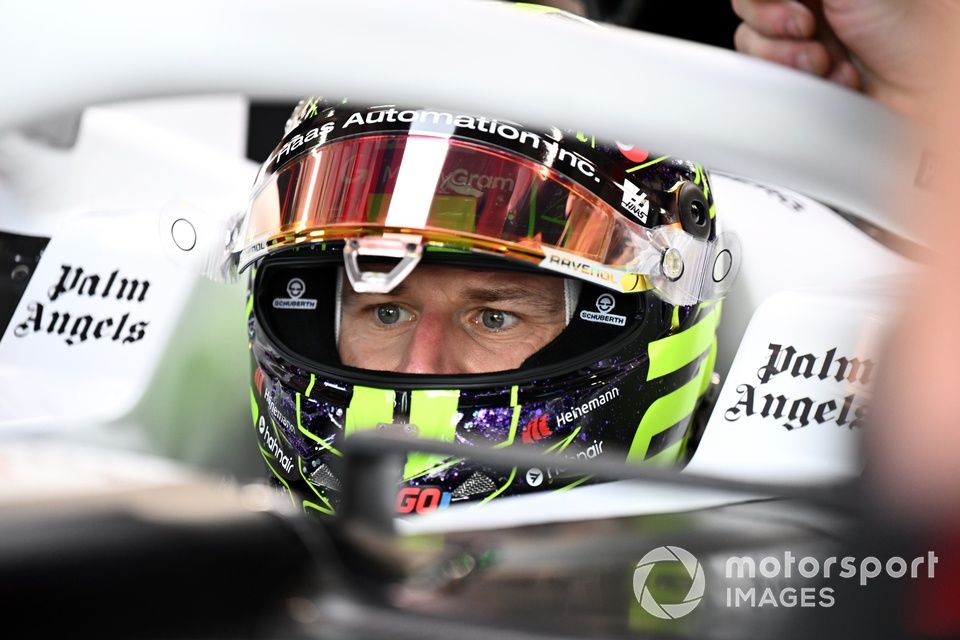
[513, 474]
[573, 484]
[647, 164]
[696, 174]
[436, 469]
[368, 408]
[327, 503]
[670, 353]
[313, 381]
[434, 412]
[249, 306]
[563, 444]
[279, 477]
[514, 419]
[663, 413]
[675, 318]
[312, 505]
[323, 443]
[713, 211]
[254, 407]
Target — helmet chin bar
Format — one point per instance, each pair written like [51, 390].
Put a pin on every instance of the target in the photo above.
[407, 248]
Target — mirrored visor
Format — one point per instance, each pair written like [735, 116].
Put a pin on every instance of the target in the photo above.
[435, 186]
[451, 193]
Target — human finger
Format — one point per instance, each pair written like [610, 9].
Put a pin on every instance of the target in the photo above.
[843, 72]
[806, 55]
[777, 18]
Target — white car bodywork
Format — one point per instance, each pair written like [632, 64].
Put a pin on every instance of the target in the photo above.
[178, 386]
[810, 280]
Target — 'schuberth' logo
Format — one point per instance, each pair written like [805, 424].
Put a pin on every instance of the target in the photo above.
[605, 304]
[295, 289]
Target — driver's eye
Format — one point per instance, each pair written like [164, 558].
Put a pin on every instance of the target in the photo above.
[388, 313]
[495, 320]
[492, 319]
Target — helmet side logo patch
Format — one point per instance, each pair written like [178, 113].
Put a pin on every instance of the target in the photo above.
[635, 201]
[605, 304]
[295, 289]
[536, 429]
[534, 477]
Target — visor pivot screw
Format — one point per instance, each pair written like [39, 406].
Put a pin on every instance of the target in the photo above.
[672, 264]
[20, 272]
[697, 211]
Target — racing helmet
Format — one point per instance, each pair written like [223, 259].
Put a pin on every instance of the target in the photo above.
[350, 185]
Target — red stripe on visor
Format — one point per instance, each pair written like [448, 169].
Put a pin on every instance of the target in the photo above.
[451, 193]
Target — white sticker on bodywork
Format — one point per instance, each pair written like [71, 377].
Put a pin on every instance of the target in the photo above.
[795, 400]
[93, 321]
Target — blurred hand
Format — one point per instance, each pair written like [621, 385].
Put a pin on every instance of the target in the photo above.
[915, 440]
[885, 48]
[905, 54]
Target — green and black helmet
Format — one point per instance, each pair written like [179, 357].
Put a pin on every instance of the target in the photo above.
[634, 232]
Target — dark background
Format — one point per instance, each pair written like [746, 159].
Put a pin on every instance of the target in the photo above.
[708, 21]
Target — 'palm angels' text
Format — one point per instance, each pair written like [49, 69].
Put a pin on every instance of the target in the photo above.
[800, 412]
[77, 327]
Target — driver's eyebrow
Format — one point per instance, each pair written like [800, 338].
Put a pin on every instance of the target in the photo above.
[513, 293]
[538, 300]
